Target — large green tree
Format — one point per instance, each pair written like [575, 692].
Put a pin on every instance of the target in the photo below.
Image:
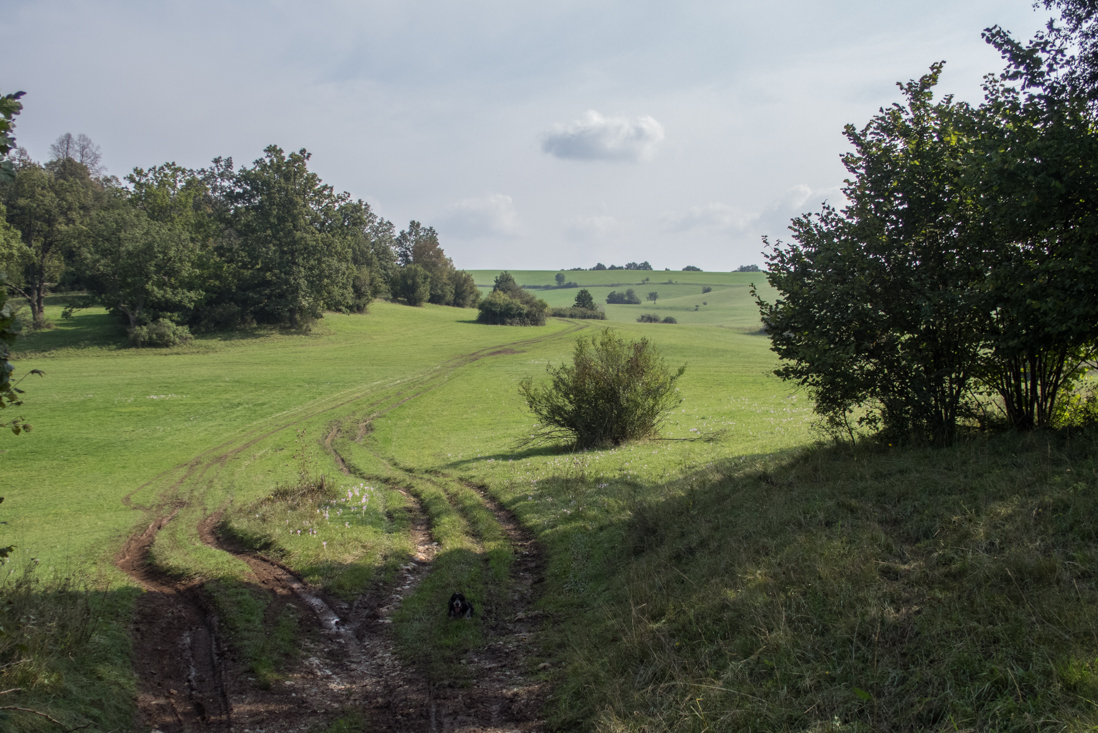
[1036, 174]
[49, 206]
[293, 247]
[140, 268]
[878, 311]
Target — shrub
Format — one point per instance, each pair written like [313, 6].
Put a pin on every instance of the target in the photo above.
[670, 319]
[160, 333]
[613, 392]
[627, 298]
[501, 309]
[648, 318]
[574, 312]
[706, 289]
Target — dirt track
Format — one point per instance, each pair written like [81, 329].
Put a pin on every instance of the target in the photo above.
[190, 679]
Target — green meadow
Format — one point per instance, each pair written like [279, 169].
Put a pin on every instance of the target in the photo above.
[728, 304]
[732, 574]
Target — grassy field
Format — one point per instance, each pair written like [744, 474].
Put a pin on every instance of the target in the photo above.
[728, 576]
[728, 304]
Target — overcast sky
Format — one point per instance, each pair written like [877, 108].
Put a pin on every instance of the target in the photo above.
[530, 135]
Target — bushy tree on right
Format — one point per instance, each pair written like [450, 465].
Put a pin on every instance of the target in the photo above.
[963, 264]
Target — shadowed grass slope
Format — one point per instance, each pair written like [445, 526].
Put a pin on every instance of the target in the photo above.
[828, 589]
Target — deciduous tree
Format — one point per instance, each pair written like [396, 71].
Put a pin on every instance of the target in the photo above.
[878, 304]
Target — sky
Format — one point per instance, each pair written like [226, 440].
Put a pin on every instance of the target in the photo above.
[529, 135]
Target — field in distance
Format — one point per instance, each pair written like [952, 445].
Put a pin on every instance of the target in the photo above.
[681, 294]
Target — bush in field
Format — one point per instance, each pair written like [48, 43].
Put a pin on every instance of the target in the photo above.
[573, 312]
[613, 392]
[499, 309]
[510, 305]
[584, 300]
[161, 333]
[670, 319]
[648, 318]
[626, 298]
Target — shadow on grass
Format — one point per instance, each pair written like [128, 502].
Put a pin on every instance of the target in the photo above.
[64, 652]
[888, 589]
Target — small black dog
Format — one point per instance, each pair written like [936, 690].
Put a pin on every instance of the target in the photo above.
[459, 607]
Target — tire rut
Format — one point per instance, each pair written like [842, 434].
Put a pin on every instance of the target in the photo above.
[190, 681]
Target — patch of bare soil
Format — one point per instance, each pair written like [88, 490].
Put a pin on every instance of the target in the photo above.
[178, 652]
[348, 662]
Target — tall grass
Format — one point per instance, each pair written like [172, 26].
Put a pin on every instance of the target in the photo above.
[53, 630]
[856, 589]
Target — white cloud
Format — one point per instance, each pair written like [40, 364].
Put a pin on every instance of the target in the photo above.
[491, 215]
[773, 220]
[594, 137]
[719, 217]
[585, 228]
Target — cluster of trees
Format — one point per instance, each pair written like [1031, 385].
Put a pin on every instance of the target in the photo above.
[627, 298]
[172, 249]
[630, 266]
[583, 307]
[509, 305]
[426, 274]
[964, 265]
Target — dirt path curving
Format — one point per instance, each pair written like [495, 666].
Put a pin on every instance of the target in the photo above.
[191, 680]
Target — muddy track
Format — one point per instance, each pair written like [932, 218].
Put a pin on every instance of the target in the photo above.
[190, 681]
[178, 651]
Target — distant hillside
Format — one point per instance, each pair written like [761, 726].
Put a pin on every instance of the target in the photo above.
[728, 303]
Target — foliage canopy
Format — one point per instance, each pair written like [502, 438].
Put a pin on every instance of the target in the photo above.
[962, 265]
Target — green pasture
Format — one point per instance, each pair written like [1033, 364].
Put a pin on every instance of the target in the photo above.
[728, 304]
[725, 575]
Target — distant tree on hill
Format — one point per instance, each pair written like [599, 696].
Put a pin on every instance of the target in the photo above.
[653, 296]
[599, 266]
[584, 300]
[747, 268]
[560, 279]
[691, 268]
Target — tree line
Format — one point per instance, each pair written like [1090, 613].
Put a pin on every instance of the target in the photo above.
[958, 283]
[169, 249]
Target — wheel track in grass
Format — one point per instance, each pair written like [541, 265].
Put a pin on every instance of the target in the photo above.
[191, 681]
